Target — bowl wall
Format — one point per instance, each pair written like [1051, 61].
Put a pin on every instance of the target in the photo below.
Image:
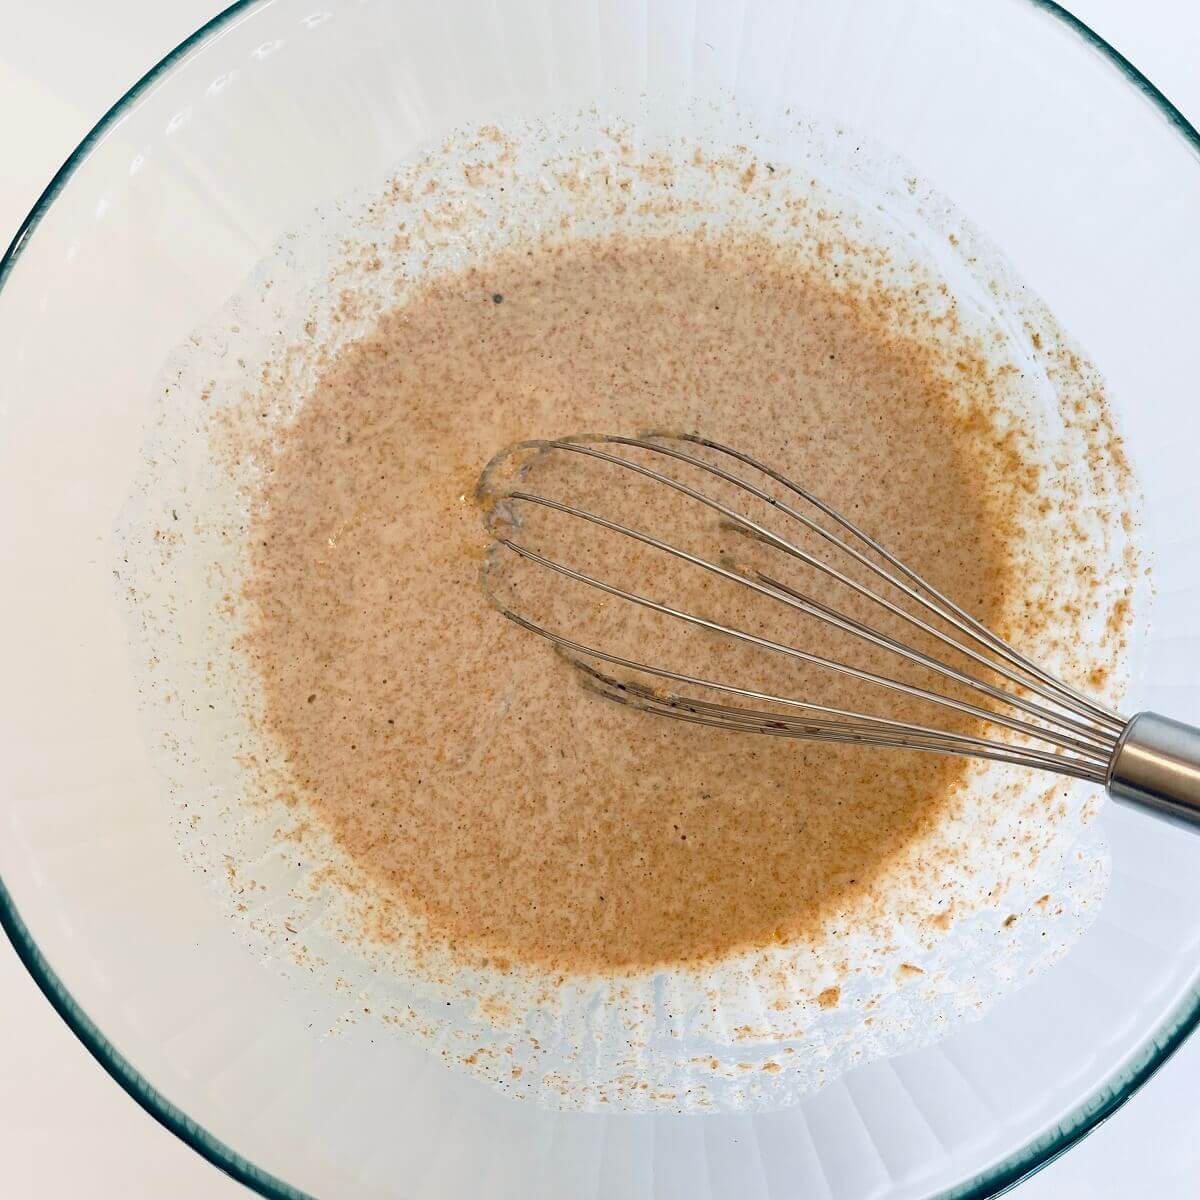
[1037, 135]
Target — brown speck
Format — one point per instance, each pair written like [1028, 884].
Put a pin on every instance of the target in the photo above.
[831, 997]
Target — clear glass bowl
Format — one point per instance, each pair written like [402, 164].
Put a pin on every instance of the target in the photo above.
[1077, 167]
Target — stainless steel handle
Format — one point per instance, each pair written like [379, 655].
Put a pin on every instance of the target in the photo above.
[1156, 765]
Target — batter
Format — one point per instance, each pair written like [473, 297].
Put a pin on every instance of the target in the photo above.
[456, 759]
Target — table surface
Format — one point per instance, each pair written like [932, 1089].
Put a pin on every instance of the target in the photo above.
[65, 1128]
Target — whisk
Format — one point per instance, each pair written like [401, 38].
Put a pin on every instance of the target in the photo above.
[1025, 715]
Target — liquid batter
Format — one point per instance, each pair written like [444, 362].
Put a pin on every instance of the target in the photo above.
[456, 759]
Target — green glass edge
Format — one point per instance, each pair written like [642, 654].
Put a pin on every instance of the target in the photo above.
[994, 1182]
[111, 117]
[122, 1070]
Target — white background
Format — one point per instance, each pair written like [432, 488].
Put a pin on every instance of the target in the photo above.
[66, 1129]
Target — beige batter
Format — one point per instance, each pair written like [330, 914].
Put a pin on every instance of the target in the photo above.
[450, 754]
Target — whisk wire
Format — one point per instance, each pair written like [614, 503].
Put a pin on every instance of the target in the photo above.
[1080, 733]
[1041, 683]
[822, 612]
[817, 660]
[944, 607]
[946, 746]
[848, 734]
[856, 723]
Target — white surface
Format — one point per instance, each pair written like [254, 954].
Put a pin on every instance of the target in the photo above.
[65, 1128]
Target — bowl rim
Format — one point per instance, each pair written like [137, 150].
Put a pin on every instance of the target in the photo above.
[998, 1178]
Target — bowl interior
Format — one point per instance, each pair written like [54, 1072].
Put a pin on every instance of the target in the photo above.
[278, 107]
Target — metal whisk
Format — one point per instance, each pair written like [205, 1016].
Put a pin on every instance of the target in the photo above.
[1028, 717]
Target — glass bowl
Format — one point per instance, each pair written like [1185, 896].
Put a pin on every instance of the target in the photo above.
[1074, 164]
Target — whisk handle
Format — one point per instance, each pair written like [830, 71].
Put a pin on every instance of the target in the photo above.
[1156, 766]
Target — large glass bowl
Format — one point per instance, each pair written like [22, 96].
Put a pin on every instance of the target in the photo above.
[1077, 167]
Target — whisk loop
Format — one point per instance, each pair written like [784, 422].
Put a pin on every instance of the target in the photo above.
[1026, 715]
